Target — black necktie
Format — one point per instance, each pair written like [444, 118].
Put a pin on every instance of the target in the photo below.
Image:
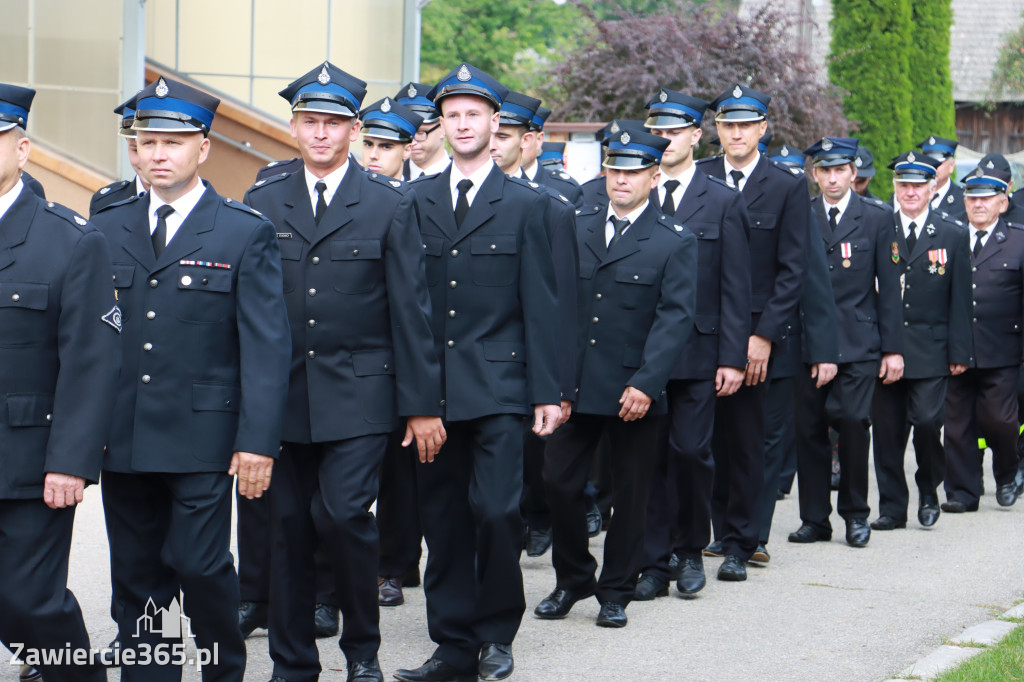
[619, 225]
[668, 207]
[912, 237]
[832, 213]
[737, 175]
[977, 242]
[321, 202]
[462, 204]
[160, 233]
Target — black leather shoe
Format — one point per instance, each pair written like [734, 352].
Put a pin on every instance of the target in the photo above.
[251, 615]
[612, 615]
[1006, 494]
[364, 671]
[674, 565]
[29, 674]
[389, 591]
[886, 522]
[496, 661]
[110, 655]
[857, 533]
[760, 555]
[538, 542]
[558, 604]
[325, 620]
[808, 533]
[435, 671]
[732, 569]
[648, 588]
[691, 579]
[714, 549]
[928, 511]
[593, 521]
[958, 507]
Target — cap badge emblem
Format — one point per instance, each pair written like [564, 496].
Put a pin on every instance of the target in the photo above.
[412, 91]
[161, 88]
[784, 152]
[385, 105]
[737, 92]
[858, 162]
[463, 74]
[990, 165]
[826, 144]
[931, 140]
[624, 138]
[663, 96]
[615, 127]
[323, 78]
[911, 158]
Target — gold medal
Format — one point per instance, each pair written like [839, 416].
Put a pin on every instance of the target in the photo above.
[846, 262]
[942, 270]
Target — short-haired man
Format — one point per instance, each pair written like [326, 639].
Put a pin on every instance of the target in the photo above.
[550, 176]
[932, 255]
[866, 287]
[982, 401]
[362, 362]
[427, 155]
[202, 389]
[949, 196]
[388, 129]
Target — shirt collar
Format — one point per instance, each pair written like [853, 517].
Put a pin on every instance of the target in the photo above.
[631, 217]
[183, 205]
[140, 189]
[531, 172]
[7, 200]
[478, 176]
[332, 180]
[684, 178]
[905, 220]
[747, 170]
[429, 170]
[842, 204]
[988, 230]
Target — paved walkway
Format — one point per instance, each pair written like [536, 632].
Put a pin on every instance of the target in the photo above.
[817, 612]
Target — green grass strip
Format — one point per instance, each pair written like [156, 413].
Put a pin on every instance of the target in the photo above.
[1002, 662]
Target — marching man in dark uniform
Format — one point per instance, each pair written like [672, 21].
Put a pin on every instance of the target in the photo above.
[779, 212]
[949, 196]
[866, 286]
[932, 255]
[711, 365]
[58, 367]
[202, 388]
[982, 402]
[492, 289]
[362, 357]
[427, 155]
[637, 296]
[123, 189]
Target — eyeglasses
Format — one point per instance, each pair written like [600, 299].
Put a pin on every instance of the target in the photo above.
[422, 134]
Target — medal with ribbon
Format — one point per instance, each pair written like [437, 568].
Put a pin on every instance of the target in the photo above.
[846, 248]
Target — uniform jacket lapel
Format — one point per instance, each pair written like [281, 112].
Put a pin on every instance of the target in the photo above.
[693, 198]
[753, 189]
[848, 222]
[14, 225]
[338, 214]
[140, 242]
[994, 243]
[440, 212]
[482, 208]
[299, 215]
[629, 243]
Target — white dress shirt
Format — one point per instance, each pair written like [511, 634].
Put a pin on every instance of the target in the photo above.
[842, 204]
[609, 229]
[684, 182]
[182, 206]
[747, 170]
[7, 200]
[478, 177]
[332, 180]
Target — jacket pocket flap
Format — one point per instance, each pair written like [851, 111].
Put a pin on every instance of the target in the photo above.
[504, 351]
[29, 409]
[370, 362]
[704, 230]
[494, 244]
[635, 275]
[217, 397]
[24, 295]
[291, 249]
[355, 249]
[707, 324]
[432, 246]
[199, 278]
[762, 221]
[123, 275]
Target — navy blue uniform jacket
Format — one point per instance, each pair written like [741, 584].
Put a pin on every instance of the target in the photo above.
[636, 307]
[59, 348]
[206, 339]
[998, 278]
[493, 295]
[355, 286]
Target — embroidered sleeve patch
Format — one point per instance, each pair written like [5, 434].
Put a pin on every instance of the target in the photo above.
[113, 318]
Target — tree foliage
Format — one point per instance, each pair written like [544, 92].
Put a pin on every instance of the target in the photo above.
[1008, 76]
[871, 61]
[934, 109]
[700, 49]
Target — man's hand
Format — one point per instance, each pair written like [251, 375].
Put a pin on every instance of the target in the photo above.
[61, 490]
[546, 418]
[635, 404]
[824, 372]
[957, 369]
[253, 473]
[429, 434]
[566, 412]
[759, 349]
[891, 370]
[727, 381]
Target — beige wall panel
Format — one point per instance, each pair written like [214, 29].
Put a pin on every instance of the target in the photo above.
[214, 36]
[78, 43]
[14, 41]
[160, 31]
[79, 124]
[290, 37]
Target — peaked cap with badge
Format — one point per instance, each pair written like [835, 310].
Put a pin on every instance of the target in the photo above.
[466, 79]
[518, 109]
[326, 89]
[911, 167]
[15, 101]
[633, 150]
[172, 107]
[388, 120]
[673, 109]
[832, 151]
[938, 148]
[740, 104]
[414, 96]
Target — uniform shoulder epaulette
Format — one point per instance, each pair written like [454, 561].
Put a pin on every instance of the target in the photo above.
[949, 218]
[276, 167]
[115, 204]
[670, 223]
[527, 183]
[564, 199]
[1016, 226]
[876, 205]
[562, 175]
[399, 186]
[68, 215]
[706, 160]
[268, 180]
[785, 168]
[241, 206]
[588, 210]
[103, 191]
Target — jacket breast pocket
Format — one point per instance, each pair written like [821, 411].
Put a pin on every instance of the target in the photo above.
[760, 220]
[495, 262]
[636, 285]
[862, 255]
[204, 294]
[375, 381]
[433, 247]
[1005, 269]
[357, 265]
[291, 262]
[23, 319]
